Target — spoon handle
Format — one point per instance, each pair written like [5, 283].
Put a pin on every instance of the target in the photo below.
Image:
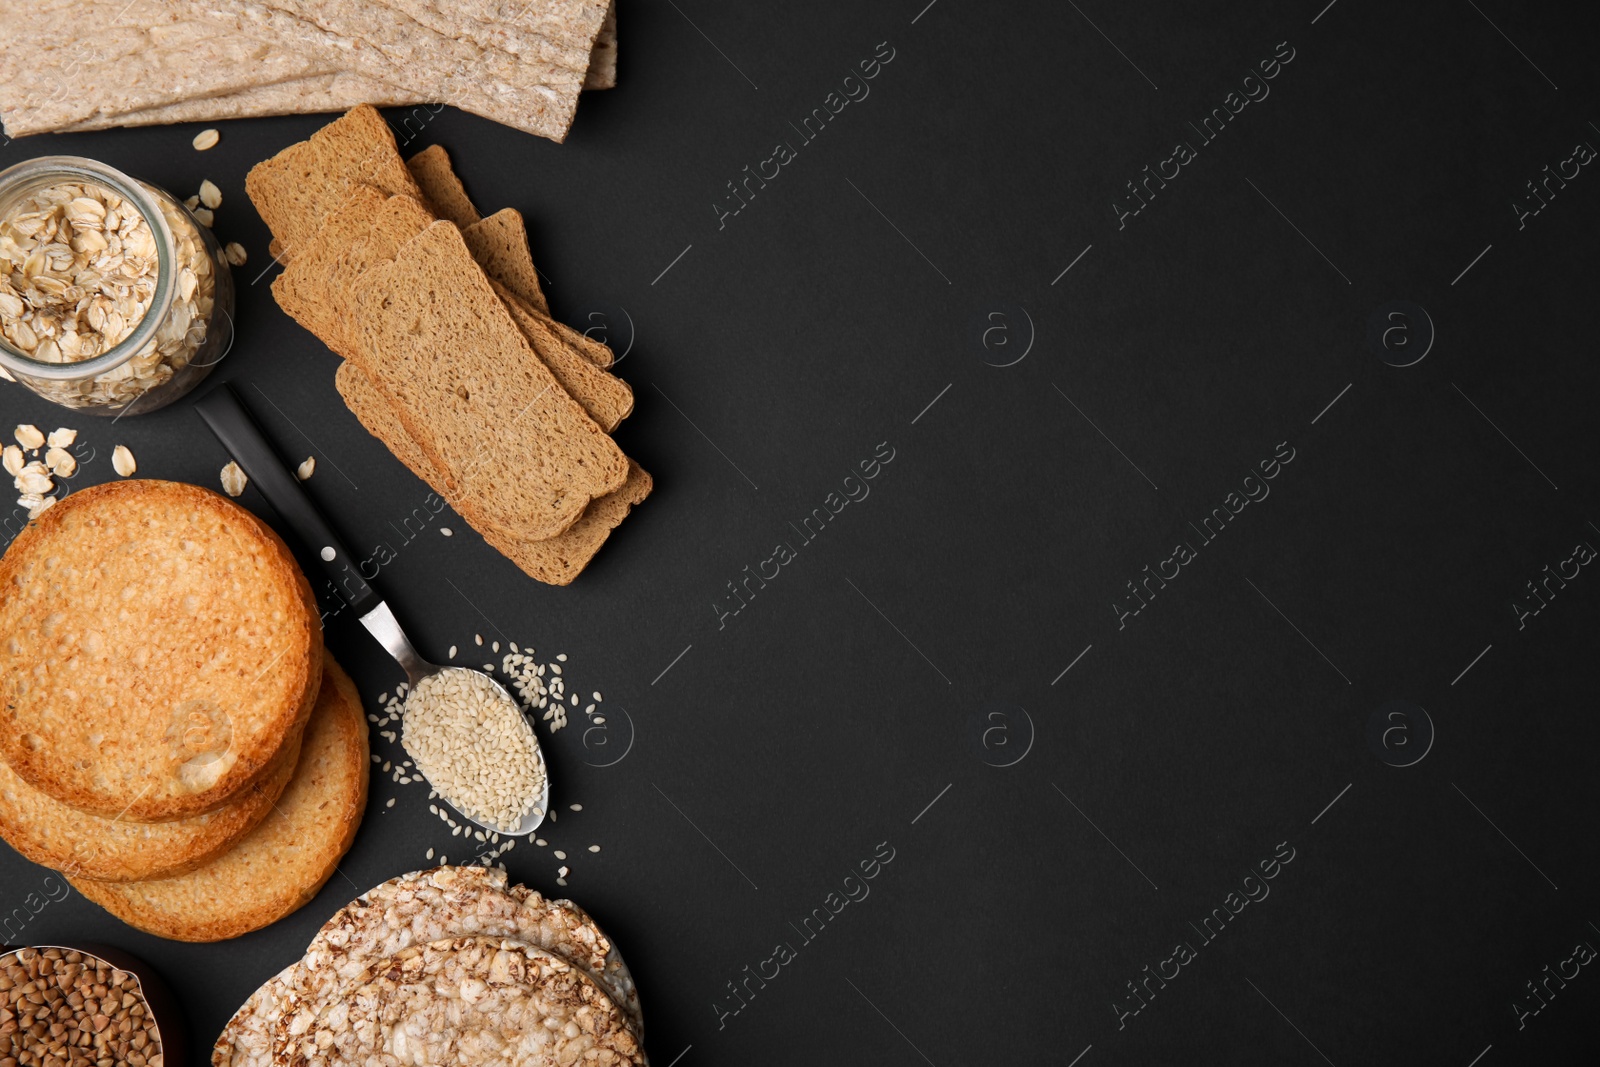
[238, 432]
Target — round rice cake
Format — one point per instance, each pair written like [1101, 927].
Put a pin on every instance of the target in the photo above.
[280, 865]
[419, 908]
[52, 834]
[158, 648]
[448, 902]
[247, 1039]
[469, 1002]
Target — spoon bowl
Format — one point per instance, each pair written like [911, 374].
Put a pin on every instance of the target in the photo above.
[381, 623]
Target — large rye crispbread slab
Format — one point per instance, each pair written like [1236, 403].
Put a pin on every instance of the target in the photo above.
[296, 190]
[53, 834]
[520, 64]
[66, 61]
[467, 1001]
[279, 866]
[160, 648]
[513, 448]
[316, 93]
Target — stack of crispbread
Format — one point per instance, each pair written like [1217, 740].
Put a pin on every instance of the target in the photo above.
[450, 965]
[451, 356]
[177, 742]
[90, 64]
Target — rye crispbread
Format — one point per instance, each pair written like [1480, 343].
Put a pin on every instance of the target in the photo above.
[603, 60]
[514, 449]
[67, 61]
[439, 183]
[526, 72]
[52, 834]
[411, 1007]
[210, 100]
[451, 902]
[297, 189]
[161, 648]
[280, 865]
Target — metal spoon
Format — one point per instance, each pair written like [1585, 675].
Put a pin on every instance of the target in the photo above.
[237, 431]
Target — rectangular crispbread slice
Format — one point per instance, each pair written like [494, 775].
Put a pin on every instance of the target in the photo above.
[302, 185]
[209, 96]
[438, 181]
[556, 560]
[513, 449]
[67, 61]
[523, 71]
[603, 59]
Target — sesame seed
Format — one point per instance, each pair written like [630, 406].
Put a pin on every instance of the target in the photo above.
[560, 855]
[594, 848]
[430, 854]
[575, 807]
[478, 638]
[447, 531]
[390, 804]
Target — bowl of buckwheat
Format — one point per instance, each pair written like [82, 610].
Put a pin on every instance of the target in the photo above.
[63, 1006]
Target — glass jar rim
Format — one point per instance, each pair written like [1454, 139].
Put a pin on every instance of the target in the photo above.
[54, 170]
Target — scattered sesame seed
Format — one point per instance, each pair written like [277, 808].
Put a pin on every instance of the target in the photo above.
[452, 651]
[390, 804]
[594, 848]
[541, 842]
[575, 807]
[560, 856]
[430, 853]
[478, 638]
[206, 140]
[447, 531]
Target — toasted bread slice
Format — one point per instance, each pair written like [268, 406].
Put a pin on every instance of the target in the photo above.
[280, 865]
[607, 398]
[438, 181]
[512, 447]
[161, 647]
[366, 229]
[500, 244]
[297, 189]
[52, 834]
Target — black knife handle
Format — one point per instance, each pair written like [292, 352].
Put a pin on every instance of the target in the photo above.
[243, 439]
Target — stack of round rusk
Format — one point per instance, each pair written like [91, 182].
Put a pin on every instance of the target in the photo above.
[450, 965]
[174, 739]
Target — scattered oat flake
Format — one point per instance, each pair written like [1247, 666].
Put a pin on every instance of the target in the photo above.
[235, 254]
[13, 460]
[210, 195]
[191, 202]
[29, 437]
[61, 437]
[60, 462]
[122, 461]
[41, 507]
[206, 139]
[306, 469]
[204, 217]
[233, 479]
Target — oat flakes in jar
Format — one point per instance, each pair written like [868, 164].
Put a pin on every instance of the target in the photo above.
[113, 298]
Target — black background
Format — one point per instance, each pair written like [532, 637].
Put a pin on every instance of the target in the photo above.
[1183, 745]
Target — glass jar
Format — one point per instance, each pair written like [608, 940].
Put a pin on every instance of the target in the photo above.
[111, 319]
